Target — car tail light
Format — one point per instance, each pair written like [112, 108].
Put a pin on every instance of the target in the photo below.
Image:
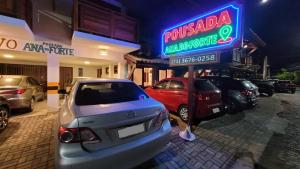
[76, 135]
[202, 98]
[18, 91]
[246, 92]
[161, 117]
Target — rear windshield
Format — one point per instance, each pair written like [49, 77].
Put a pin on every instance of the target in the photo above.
[10, 81]
[248, 85]
[204, 85]
[107, 93]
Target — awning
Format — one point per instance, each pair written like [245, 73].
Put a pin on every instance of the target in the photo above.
[136, 59]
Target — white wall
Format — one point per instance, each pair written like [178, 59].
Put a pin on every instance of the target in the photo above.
[137, 76]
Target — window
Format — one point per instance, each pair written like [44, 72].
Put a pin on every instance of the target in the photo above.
[99, 73]
[176, 84]
[162, 85]
[107, 70]
[204, 85]
[80, 72]
[147, 76]
[32, 81]
[108, 93]
[115, 69]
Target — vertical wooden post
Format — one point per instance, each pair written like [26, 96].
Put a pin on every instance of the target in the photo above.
[75, 15]
[191, 96]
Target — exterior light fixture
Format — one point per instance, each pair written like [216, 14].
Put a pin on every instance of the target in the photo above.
[8, 56]
[264, 1]
[103, 52]
[87, 62]
[245, 46]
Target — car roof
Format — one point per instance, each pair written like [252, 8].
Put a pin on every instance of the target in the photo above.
[13, 76]
[102, 80]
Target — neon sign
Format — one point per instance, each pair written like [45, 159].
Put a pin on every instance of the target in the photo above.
[216, 30]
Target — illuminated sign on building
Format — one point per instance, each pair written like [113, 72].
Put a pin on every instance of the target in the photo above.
[216, 30]
[196, 59]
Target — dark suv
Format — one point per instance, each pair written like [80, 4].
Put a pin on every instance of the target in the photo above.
[285, 86]
[236, 93]
[264, 86]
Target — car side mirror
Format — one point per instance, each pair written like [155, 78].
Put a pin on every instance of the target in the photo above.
[62, 91]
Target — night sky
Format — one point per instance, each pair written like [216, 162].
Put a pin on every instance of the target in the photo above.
[277, 22]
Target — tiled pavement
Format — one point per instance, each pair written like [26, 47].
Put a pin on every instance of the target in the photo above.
[220, 143]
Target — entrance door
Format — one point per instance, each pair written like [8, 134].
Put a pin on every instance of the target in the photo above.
[65, 76]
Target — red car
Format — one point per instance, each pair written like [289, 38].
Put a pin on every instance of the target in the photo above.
[173, 93]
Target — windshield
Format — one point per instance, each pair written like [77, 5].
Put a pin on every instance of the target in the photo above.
[204, 85]
[248, 84]
[107, 93]
[10, 81]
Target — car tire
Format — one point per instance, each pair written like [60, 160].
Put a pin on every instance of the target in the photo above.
[234, 107]
[4, 115]
[183, 113]
[270, 94]
[293, 91]
[31, 105]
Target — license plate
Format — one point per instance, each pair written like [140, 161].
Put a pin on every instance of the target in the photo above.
[132, 130]
[216, 110]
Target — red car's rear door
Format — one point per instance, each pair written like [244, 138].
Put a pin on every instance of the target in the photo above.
[157, 91]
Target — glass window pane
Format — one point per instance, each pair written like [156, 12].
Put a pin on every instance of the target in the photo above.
[108, 93]
[176, 85]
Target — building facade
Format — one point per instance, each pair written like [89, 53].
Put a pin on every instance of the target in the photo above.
[57, 40]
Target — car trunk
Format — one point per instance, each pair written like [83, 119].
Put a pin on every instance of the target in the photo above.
[7, 91]
[118, 123]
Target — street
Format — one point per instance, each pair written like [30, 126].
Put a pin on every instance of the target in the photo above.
[265, 137]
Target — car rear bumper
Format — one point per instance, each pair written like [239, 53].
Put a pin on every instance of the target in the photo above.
[122, 156]
[252, 101]
[207, 111]
[18, 102]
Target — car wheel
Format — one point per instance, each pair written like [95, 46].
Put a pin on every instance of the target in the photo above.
[270, 94]
[32, 104]
[3, 118]
[183, 113]
[293, 91]
[234, 107]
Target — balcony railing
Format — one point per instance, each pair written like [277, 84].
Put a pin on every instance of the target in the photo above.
[21, 9]
[93, 18]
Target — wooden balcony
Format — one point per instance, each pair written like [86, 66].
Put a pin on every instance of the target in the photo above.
[93, 18]
[21, 9]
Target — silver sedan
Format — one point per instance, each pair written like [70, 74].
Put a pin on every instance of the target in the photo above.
[111, 124]
[20, 91]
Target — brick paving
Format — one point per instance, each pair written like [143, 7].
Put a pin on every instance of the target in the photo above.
[28, 142]
[220, 143]
[231, 141]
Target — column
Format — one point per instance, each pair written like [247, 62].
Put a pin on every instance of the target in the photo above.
[53, 82]
[265, 68]
[122, 70]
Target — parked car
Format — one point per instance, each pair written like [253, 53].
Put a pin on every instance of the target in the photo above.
[109, 124]
[4, 113]
[173, 93]
[20, 91]
[285, 86]
[251, 85]
[238, 94]
[264, 86]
